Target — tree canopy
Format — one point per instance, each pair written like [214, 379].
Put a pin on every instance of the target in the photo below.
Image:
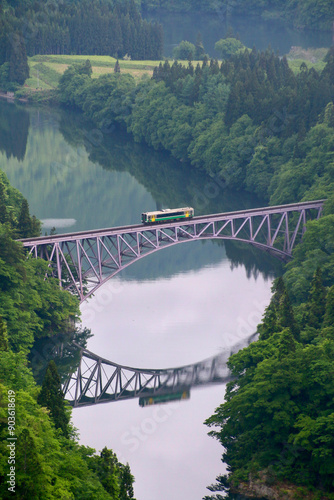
[278, 413]
[49, 463]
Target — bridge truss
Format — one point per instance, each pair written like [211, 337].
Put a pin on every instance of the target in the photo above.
[83, 261]
[98, 380]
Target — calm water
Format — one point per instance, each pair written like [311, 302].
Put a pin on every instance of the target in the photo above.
[251, 31]
[177, 307]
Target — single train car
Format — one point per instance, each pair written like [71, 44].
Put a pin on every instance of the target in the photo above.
[167, 214]
[164, 398]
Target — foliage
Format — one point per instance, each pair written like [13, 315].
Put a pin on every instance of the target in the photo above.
[115, 477]
[316, 251]
[14, 211]
[185, 50]
[227, 47]
[18, 63]
[248, 120]
[279, 411]
[81, 27]
[199, 48]
[49, 464]
[52, 397]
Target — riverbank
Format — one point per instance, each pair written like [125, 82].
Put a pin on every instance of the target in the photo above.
[261, 489]
[11, 97]
[46, 71]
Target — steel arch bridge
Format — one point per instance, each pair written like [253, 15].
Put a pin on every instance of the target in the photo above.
[84, 261]
[98, 380]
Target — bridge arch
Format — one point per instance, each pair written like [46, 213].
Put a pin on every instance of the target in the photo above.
[277, 253]
[97, 380]
[83, 262]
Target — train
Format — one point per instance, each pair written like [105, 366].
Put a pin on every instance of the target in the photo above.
[167, 214]
[164, 398]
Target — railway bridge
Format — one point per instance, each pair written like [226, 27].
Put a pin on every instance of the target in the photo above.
[98, 380]
[84, 261]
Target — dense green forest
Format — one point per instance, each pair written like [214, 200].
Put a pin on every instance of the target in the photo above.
[308, 14]
[251, 123]
[48, 462]
[277, 421]
[105, 27]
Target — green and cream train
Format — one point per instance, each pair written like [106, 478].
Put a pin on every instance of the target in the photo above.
[167, 215]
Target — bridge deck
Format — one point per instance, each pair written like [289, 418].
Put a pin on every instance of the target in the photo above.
[83, 261]
[202, 218]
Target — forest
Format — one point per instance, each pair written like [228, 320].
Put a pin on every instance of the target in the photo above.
[49, 463]
[250, 123]
[253, 124]
[249, 120]
[277, 420]
[75, 27]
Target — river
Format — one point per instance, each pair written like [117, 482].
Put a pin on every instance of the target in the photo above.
[252, 31]
[176, 307]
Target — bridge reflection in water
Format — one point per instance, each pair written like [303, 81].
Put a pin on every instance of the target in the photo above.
[98, 380]
[82, 262]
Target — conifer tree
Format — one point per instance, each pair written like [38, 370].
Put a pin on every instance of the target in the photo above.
[3, 208]
[278, 289]
[317, 301]
[126, 480]
[287, 343]
[269, 322]
[329, 311]
[156, 73]
[108, 472]
[329, 115]
[24, 221]
[51, 396]
[117, 68]
[29, 469]
[199, 51]
[3, 335]
[279, 313]
[286, 317]
[87, 68]
[18, 62]
[190, 69]
[35, 226]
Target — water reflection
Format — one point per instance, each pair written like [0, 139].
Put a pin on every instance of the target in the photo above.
[253, 31]
[89, 379]
[170, 182]
[14, 127]
[61, 349]
[57, 223]
[97, 380]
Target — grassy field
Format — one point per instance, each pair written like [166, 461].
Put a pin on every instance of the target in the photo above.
[313, 58]
[296, 63]
[45, 70]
